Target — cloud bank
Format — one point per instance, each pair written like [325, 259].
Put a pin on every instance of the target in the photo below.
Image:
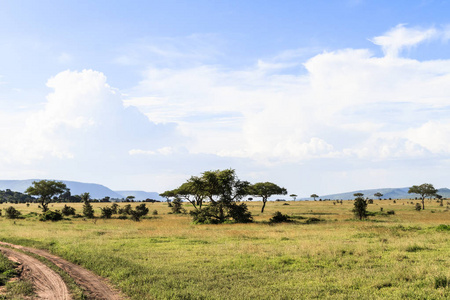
[338, 114]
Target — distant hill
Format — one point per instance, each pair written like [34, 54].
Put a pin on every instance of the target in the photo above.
[141, 195]
[97, 191]
[393, 193]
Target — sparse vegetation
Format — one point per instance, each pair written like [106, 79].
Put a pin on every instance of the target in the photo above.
[322, 254]
[12, 213]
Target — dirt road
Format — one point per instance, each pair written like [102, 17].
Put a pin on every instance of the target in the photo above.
[95, 286]
[48, 284]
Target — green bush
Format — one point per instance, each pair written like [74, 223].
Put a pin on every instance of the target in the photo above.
[68, 210]
[12, 213]
[126, 210]
[313, 220]
[106, 212]
[360, 208]
[217, 213]
[177, 206]
[88, 210]
[278, 217]
[441, 282]
[50, 215]
[443, 227]
[418, 207]
[140, 211]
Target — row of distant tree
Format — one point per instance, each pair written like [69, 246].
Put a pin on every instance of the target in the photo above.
[8, 196]
[222, 189]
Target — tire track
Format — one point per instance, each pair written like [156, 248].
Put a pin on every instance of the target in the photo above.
[47, 283]
[95, 286]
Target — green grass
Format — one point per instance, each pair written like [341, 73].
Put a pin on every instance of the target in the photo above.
[12, 288]
[167, 257]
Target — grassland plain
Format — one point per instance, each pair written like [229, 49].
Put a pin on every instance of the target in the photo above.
[400, 256]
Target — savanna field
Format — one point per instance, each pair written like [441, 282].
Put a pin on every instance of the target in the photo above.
[324, 253]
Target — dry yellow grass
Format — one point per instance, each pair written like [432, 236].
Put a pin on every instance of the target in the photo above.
[166, 256]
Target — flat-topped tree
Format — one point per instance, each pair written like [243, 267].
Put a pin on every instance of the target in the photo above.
[424, 190]
[314, 196]
[358, 195]
[378, 195]
[265, 190]
[294, 196]
[46, 190]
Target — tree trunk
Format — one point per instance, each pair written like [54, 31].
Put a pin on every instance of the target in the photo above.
[423, 203]
[264, 205]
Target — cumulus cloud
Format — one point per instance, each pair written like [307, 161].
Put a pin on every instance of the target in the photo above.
[331, 111]
[83, 119]
[348, 103]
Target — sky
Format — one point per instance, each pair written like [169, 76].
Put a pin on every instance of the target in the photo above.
[316, 96]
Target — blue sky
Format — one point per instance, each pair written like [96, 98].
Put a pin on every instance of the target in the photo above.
[317, 96]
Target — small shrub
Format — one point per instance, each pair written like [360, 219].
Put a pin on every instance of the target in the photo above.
[414, 248]
[441, 282]
[443, 227]
[88, 210]
[114, 208]
[390, 212]
[155, 212]
[12, 213]
[126, 210]
[122, 217]
[68, 210]
[106, 212]
[278, 217]
[418, 207]
[177, 206]
[50, 215]
[313, 220]
[140, 211]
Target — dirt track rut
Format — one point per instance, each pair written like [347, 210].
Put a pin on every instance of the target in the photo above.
[48, 284]
[95, 286]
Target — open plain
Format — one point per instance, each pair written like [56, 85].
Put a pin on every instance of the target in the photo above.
[324, 253]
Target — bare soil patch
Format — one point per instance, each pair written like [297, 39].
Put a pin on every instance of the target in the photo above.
[48, 284]
[95, 286]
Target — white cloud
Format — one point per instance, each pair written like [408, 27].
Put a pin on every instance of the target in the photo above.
[347, 103]
[340, 110]
[82, 118]
[401, 37]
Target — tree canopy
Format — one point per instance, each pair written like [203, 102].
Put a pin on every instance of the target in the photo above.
[314, 196]
[265, 190]
[424, 190]
[222, 189]
[46, 190]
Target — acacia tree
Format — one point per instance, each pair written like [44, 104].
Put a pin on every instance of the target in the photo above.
[192, 191]
[360, 207]
[46, 190]
[314, 196]
[294, 196]
[223, 190]
[265, 190]
[379, 195]
[424, 190]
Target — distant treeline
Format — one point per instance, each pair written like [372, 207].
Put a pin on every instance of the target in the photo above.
[8, 196]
